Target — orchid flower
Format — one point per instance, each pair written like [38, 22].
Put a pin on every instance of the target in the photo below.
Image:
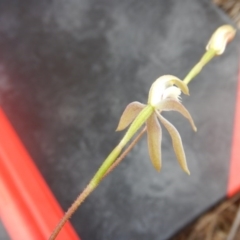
[163, 96]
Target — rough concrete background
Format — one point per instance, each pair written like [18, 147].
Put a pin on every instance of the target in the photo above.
[67, 71]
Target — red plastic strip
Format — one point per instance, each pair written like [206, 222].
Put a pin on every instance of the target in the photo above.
[234, 172]
[28, 209]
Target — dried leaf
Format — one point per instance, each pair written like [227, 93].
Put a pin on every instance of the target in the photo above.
[173, 105]
[154, 132]
[176, 142]
[129, 114]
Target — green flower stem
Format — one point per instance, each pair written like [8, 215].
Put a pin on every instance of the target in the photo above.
[210, 54]
[135, 126]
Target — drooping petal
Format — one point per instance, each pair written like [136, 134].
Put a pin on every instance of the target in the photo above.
[182, 85]
[129, 114]
[173, 105]
[159, 86]
[176, 142]
[154, 133]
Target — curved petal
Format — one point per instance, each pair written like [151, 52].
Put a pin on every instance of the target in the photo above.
[129, 114]
[182, 85]
[173, 105]
[154, 133]
[159, 86]
[176, 142]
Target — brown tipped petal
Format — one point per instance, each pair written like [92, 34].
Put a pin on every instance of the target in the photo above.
[129, 114]
[173, 105]
[154, 133]
[176, 142]
[182, 85]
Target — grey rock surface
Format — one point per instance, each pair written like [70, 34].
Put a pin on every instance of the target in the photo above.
[67, 71]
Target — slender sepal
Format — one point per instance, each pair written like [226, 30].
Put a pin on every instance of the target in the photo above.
[129, 114]
[154, 133]
[176, 142]
[173, 105]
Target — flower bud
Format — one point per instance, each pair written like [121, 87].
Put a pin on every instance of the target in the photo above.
[220, 38]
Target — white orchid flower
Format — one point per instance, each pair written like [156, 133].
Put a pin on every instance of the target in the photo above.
[163, 96]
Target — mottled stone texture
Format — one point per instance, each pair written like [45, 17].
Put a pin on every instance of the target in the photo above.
[67, 71]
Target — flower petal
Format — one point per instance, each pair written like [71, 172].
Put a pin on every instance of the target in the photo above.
[129, 114]
[173, 93]
[176, 142]
[154, 133]
[173, 105]
[182, 85]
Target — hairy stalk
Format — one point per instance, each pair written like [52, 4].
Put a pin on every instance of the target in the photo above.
[110, 162]
[83, 195]
[91, 187]
[137, 123]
